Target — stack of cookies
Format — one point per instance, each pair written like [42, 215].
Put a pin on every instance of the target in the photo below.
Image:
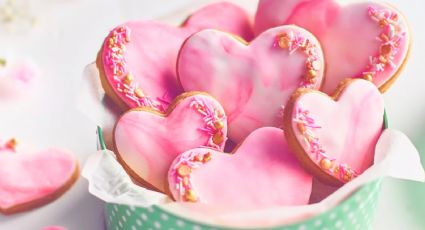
[229, 112]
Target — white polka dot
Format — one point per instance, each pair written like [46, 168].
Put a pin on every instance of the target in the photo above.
[116, 208]
[144, 217]
[317, 223]
[132, 208]
[338, 224]
[133, 227]
[302, 227]
[363, 210]
[354, 221]
[367, 216]
[196, 227]
[127, 212]
[150, 209]
[362, 205]
[370, 188]
[120, 223]
[358, 227]
[164, 216]
[369, 224]
[150, 229]
[180, 223]
[346, 208]
[325, 228]
[116, 228]
[350, 215]
[370, 199]
[358, 199]
[124, 219]
[332, 216]
[113, 213]
[157, 225]
[139, 222]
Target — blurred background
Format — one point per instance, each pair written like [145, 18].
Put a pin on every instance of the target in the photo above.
[61, 37]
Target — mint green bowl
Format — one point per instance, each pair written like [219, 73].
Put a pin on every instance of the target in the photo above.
[357, 212]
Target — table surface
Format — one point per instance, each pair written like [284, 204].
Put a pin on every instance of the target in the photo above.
[67, 36]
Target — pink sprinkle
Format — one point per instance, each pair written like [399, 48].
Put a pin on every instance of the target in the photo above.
[162, 101]
[54, 228]
[314, 147]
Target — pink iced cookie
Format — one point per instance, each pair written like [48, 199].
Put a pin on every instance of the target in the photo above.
[360, 40]
[335, 137]
[28, 181]
[261, 173]
[253, 82]
[147, 141]
[138, 59]
[16, 78]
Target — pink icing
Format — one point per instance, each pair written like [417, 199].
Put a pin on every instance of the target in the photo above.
[306, 126]
[365, 40]
[261, 173]
[252, 81]
[122, 77]
[16, 78]
[147, 52]
[148, 143]
[340, 136]
[28, 177]
[54, 228]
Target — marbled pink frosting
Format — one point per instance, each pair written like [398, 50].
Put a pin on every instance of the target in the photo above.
[149, 54]
[25, 178]
[261, 173]
[351, 38]
[148, 142]
[252, 82]
[343, 132]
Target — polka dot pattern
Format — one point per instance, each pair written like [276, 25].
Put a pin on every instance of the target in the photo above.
[357, 212]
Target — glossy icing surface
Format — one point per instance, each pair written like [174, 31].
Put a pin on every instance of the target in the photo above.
[28, 177]
[340, 136]
[261, 173]
[148, 142]
[253, 81]
[364, 39]
[139, 57]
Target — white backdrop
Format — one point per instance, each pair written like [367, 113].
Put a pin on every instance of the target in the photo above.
[67, 36]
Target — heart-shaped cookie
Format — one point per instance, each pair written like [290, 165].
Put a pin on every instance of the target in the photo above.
[147, 141]
[138, 59]
[253, 81]
[261, 173]
[365, 39]
[28, 181]
[16, 78]
[335, 137]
